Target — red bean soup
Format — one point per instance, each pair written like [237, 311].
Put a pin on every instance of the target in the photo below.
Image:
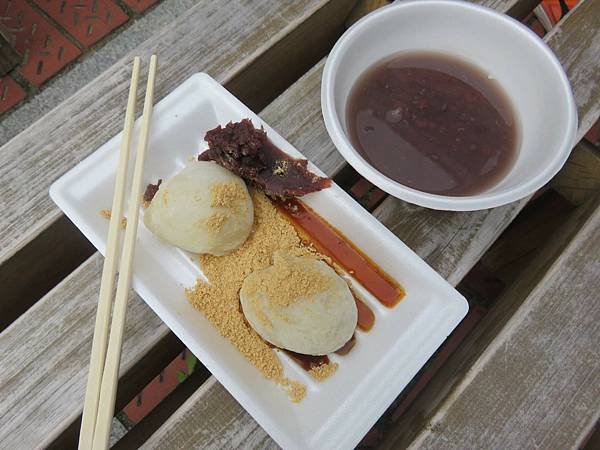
[433, 122]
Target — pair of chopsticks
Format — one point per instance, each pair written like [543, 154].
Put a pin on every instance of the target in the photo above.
[101, 389]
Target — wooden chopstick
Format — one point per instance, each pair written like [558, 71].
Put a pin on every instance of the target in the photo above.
[109, 270]
[108, 387]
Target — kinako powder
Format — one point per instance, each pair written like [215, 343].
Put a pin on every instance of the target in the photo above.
[287, 281]
[232, 195]
[219, 301]
[107, 214]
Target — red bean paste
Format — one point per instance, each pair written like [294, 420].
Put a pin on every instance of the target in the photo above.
[151, 191]
[249, 153]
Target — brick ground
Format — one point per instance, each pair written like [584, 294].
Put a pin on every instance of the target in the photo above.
[44, 48]
[88, 21]
[10, 93]
[49, 34]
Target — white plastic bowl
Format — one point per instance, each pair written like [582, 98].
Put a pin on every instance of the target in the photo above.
[509, 52]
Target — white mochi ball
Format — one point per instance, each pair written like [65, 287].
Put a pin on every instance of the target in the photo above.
[205, 208]
[299, 304]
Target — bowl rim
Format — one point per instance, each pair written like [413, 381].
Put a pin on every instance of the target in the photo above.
[434, 201]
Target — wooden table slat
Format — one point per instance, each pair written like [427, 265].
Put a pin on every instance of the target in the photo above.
[42, 383]
[576, 43]
[197, 425]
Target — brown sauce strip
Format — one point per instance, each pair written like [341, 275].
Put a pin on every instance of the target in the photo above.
[333, 243]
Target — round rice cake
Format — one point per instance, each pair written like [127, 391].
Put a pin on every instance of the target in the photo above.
[205, 208]
[299, 304]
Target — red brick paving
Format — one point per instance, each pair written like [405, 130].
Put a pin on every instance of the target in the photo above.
[594, 134]
[45, 50]
[139, 5]
[88, 21]
[159, 387]
[11, 93]
[367, 194]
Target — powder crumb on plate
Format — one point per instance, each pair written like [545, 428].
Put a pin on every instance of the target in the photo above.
[107, 213]
[323, 371]
[219, 301]
[294, 389]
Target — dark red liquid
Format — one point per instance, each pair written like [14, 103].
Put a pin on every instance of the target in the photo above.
[434, 123]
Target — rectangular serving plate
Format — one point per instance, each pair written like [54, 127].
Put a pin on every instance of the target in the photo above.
[336, 413]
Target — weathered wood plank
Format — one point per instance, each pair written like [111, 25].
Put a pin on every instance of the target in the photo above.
[576, 43]
[450, 242]
[536, 384]
[42, 381]
[221, 38]
[213, 420]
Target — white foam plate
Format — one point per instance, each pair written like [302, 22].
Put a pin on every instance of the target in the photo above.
[336, 413]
